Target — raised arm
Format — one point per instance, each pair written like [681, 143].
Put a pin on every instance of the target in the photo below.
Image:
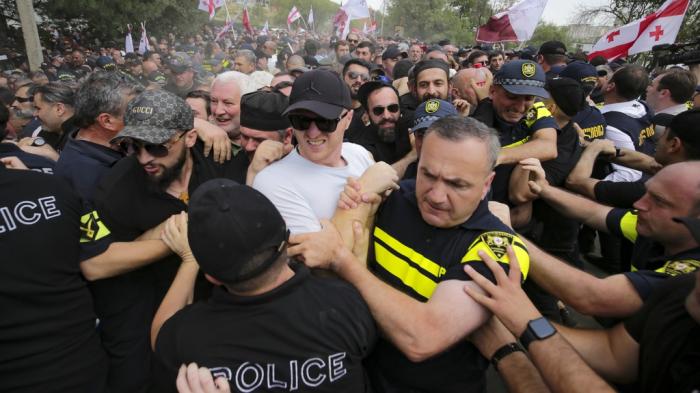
[542, 146]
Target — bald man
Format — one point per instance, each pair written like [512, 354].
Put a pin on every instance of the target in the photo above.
[663, 248]
[462, 85]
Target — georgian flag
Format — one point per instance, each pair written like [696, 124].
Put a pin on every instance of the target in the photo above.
[294, 14]
[660, 27]
[246, 21]
[227, 27]
[128, 42]
[210, 6]
[517, 23]
[356, 9]
[143, 43]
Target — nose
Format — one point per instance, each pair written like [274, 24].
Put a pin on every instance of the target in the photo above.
[313, 131]
[642, 204]
[437, 195]
[217, 109]
[251, 145]
[143, 157]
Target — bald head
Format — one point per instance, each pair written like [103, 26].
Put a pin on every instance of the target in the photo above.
[462, 83]
[295, 61]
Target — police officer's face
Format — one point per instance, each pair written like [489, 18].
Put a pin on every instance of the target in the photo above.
[670, 193]
[450, 184]
[432, 83]
[510, 107]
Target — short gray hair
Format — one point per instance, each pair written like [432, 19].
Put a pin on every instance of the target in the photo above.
[102, 92]
[248, 54]
[457, 128]
[55, 92]
[241, 79]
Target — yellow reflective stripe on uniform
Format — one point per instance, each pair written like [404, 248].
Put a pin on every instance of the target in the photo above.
[494, 244]
[536, 112]
[404, 271]
[92, 228]
[628, 226]
[518, 143]
[415, 257]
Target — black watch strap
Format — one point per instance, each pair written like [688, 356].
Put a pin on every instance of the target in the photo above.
[537, 329]
[505, 351]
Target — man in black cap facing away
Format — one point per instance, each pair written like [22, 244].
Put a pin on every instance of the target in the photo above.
[552, 58]
[269, 325]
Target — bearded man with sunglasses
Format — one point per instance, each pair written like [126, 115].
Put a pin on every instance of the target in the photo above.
[305, 184]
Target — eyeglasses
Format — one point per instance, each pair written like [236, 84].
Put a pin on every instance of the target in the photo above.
[24, 99]
[302, 122]
[379, 110]
[355, 75]
[130, 146]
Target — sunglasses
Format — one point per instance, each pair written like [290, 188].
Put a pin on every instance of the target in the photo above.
[24, 99]
[379, 110]
[130, 146]
[302, 123]
[355, 75]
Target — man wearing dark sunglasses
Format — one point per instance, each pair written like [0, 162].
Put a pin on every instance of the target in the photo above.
[22, 120]
[305, 184]
[355, 74]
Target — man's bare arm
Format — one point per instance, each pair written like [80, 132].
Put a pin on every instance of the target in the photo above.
[613, 296]
[542, 146]
[123, 257]
[579, 179]
[401, 165]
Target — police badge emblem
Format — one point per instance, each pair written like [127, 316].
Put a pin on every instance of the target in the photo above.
[528, 70]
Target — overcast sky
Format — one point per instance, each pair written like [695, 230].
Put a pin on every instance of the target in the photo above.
[560, 12]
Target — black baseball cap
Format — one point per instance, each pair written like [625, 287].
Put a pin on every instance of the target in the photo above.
[262, 110]
[393, 52]
[368, 87]
[685, 126]
[228, 225]
[321, 92]
[568, 94]
[154, 116]
[180, 62]
[522, 77]
[552, 48]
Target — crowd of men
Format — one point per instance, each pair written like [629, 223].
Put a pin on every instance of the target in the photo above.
[280, 213]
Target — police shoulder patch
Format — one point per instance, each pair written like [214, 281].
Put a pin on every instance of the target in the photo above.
[432, 106]
[528, 70]
[494, 244]
[680, 267]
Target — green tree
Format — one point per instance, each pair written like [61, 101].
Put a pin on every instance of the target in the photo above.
[549, 32]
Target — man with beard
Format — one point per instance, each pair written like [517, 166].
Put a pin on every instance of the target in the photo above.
[415, 53]
[355, 74]
[22, 120]
[386, 138]
[165, 164]
[226, 92]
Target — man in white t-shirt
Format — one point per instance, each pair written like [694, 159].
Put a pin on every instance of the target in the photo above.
[305, 185]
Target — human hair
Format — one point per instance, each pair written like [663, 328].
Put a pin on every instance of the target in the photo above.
[102, 92]
[204, 95]
[495, 53]
[553, 58]
[240, 78]
[265, 277]
[475, 55]
[248, 54]
[55, 92]
[679, 82]
[341, 43]
[6, 96]
[630, 81]
[360, 62]
[366, 44]
[599, 60]
[457, 128]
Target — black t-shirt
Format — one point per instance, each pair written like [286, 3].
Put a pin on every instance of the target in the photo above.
[591, 121]
[414, 257]
[368, 137]
[619, 194]
[32, 161]
[308, 334]
[669, 340]
[48, 341]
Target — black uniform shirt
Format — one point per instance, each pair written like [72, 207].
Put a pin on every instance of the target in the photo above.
[32, 161]
[308, 334]
[415, 257]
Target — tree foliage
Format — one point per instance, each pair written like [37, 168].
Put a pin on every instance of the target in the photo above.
[433, 20]
[549, 32]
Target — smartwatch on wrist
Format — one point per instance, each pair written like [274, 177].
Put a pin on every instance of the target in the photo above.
[537, 329]
[505, 351]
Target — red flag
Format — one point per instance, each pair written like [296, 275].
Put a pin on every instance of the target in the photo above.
[246, 21]
[661, 27]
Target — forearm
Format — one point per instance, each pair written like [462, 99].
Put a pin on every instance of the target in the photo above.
[636, 160]
[123, 257]
[580, 179]
[179, 295]
[518, 189]
[520, 374]
[401, 165]
[542, 149]
[563, 369]
[344, 219]
[576, 207]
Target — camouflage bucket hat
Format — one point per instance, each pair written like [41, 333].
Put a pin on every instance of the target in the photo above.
[155, 116]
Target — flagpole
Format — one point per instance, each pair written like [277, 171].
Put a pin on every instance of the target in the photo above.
[381, 33]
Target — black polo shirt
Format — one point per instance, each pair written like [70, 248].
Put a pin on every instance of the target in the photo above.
[48, 341]
[368, 137]
[511, 135]
[308, 334]
[32, 161]
[415, 257]
[650, 267]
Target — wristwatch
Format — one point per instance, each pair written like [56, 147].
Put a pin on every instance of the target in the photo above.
[38, 141]
[537, 329]
[504, 351]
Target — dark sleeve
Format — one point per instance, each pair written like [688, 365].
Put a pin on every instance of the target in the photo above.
[618, 194]
[494, 243]
[645, 282]
[167, 363]
[544, 122]
[622, 223]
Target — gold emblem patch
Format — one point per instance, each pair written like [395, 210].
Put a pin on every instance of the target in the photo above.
[528, 70]
[677, 268]
[497, 242]
[432, 106]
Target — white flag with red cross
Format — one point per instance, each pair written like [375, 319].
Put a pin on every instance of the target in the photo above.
[658, 28]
